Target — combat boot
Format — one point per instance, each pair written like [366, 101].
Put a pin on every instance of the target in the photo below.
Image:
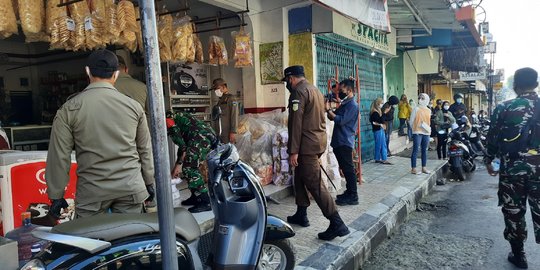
[191, 200]
[347, 199]
[337, 228]
[517, 256]
[300, 217]
[202, 204]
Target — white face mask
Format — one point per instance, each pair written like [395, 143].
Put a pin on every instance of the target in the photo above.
[459, 100]
[380, 106]
[446, 108]
[218, 92]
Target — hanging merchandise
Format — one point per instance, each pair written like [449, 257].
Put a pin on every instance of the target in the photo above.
[94, 25]
[217, 51]
[243, 54]
[61, 31]
[199, 54]
[183, 29]
[53, 12]
[8, 22]
[79, 11]
[32, 17]
[111, 22]
[126, 16]
[191, 50]
[165, 35]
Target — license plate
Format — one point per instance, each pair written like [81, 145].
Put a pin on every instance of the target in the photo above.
[454, 153]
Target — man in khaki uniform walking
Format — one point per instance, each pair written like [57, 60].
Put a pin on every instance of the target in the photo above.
[227, 122]
[109, 133]
[307, 142]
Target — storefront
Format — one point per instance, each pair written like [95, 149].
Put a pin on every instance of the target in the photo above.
[37, 77]
[352, 45]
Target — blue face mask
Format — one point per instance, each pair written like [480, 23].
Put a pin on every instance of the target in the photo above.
[459, 100]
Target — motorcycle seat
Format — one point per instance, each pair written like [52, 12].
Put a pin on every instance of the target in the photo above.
[110, 227]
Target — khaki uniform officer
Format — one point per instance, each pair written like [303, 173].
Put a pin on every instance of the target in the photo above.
[130, 87]
[307, 142]
[109, 133]
[227, 123]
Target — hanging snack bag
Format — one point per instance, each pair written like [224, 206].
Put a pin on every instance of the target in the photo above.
[183, 29]
[8, 22]
[127, 20]
[61, 31]
[217, 51]
[53, 12]
[191, 50]
[111, 22]
[243, 54]
[79, 11]
[94, 25]
[165, 35]
[32, 15]
[199, 54]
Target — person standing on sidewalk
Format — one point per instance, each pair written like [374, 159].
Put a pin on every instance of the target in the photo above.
[389, 120]
[519, 175]
[421, 129]
[443, 120]
[226, 122]
[404, 112]
[307, 142]
[346, 121]
[109, 133]
[194, 139]
[377, 124]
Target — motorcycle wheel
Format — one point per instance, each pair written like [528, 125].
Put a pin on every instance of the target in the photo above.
[277, 255]
[473, 168]
[459, 172]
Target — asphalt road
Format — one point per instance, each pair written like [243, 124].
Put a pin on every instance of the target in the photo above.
[458, 226]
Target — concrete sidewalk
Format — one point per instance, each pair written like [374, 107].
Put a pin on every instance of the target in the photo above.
[387, 196]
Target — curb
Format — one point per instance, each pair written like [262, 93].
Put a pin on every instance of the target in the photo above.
[373, 227]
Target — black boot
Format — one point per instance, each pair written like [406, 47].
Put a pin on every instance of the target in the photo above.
[191, 200]
[347, 199]
[337, 228]
[300, 217]
[202, 204]
[517, 256]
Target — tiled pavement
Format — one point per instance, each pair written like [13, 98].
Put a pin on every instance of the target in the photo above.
[388, 194]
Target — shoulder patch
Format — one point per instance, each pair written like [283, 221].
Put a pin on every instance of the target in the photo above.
[295, 104]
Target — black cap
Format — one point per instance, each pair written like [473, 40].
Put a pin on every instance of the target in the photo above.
[393, 100]
[525, 79]
[102, 63]
[293, 70]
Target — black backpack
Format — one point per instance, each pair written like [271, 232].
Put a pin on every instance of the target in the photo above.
[513, 141]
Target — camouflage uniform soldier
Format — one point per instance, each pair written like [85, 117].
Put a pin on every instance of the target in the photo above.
[194, 140]
[519, 178]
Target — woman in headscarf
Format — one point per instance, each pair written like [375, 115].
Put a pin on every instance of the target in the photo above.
[421, 129]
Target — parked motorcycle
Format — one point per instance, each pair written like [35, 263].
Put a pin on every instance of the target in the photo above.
[244, 236]
[460, 157]
[475, 138]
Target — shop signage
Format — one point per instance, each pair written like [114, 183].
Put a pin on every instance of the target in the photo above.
[365, 35]
[471, 76]
[498, 86]
[370, 12]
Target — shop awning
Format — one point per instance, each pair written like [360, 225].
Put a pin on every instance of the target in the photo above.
[422, 14]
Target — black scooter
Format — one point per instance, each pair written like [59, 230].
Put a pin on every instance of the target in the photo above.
[460, 158]
[244, 236]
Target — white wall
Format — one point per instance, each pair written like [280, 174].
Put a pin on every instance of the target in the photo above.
[410, 76]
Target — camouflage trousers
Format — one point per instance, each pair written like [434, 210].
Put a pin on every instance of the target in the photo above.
[196, 153]
[519, 182]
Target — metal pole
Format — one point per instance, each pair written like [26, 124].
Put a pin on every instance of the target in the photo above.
[159, 136]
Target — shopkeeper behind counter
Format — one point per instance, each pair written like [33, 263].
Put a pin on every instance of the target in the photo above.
[225, 113]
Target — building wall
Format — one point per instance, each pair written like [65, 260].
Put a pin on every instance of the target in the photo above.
[410, 77]
[442, 91]
[395, 84]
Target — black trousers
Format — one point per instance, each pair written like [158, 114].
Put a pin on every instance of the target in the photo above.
[441, 145]
[345, 161]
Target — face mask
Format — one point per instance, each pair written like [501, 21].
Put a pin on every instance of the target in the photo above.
[218, 92]
[459, 100]
[380, 106]
[289, 86]
[446, 108]
[423, 102]
[394, 106]
[342, 95]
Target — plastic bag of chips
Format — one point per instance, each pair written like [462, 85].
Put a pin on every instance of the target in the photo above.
[127, 20]
[217, 53]
[111, 23]
[165, 35]
[243, 54]
[32, 16]
[8, 22]
[199, 54]
[183, 29]
[53, 12]
[60, 32]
